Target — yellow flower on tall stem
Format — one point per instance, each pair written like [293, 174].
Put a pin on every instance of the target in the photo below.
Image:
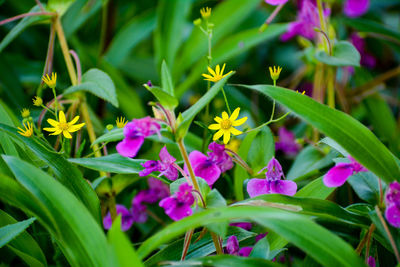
[63, 127]
[51, 82]
[121, 122]
[275, 72]
[215, 75]
[205, 12]
[28, 131]
[225, 125]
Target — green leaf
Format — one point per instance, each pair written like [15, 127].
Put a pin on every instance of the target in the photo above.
[190, 113]
[366, 186]
[21, 26]
[114, 163]
[204, 187]
[369, 26]
[125, 255]
[129, 36]
[24, 245]
[354, 137]
[79, 235]
[165, 99]
[5, 142]
[262, 149]
[11, 231]
[60, 6]
[260, 249]
[166, 80]
[214, 199]
[343, 54]
[65, 172]
[98, 83]
[226, 260]
[315, 189]
[324, 246]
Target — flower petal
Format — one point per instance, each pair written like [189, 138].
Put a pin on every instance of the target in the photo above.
[227, 136]
[217, 70]
[57, 132]
[52, 122]
[235, 114]
[225, 115]
[211, 71]
[223, 68]
[67, 134]
[218, 119]
[284, 187]
[74, 120]
[256, 187]
[130, 146]
[338, 175]
[214, 126]
[392, 215]
[239, 121]
[76, 127]
[235, 131]
[49, 129]
[207, 76]
[218, 135]
[61, 117]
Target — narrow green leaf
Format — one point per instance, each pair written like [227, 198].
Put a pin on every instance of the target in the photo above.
[166, 80]
[357, 139]
[262, 149]
[5, 142]
[60, 6]
[165, 99]
[370, 26]
[343, 54]
[98, 83]
[315, 189]
[11, 231]
[226, 260]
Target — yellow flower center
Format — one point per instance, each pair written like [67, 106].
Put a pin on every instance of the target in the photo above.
[226, 124]
[63, 126]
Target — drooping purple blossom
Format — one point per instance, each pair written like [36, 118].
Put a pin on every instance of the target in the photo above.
[126, 218]
[392, 200]
[135, 132]
[232, 247]
[338, 175]
[210, 167]
[244, 225]
[287, 142]
[367, 59]
[355, 8]
[371, 261]
[165, 166]
[276, 2]
[272, 184]
[177, 206]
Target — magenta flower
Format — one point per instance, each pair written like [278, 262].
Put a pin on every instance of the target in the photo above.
[275, 2]
[367, 59]
[126, 218]
[338, 175]
[273, 183]
[244, 225]
[135, 132]
[220, 157]
[232, 247]
[178, 205]
[355, 8]
[287, 142]
[371, 261]
[392, 200]
[165, 166]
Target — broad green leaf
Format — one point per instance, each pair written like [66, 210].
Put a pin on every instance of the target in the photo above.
[354, 137]
[260, 249]
[188, 116]
[24, 245]
[60, 6]
[343, 54]
[366, 186]
[21, 26]
[204, 187]
[98, 83]
[262, 149]
[324, 246]
[165, 99]
[111, 136]
[123, 252]
[226, 260]
[214, 199]
[129, 36]
[166, 80]
[315, 189]
[80, 236]
[11, 231]
[5, 141]
[114, 163]
[67, 174]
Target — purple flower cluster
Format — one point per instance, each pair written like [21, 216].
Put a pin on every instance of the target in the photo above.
[392, 200]
[232, 247]
[355, 8]
[157, 190]
[177, 206]
[165, 166]
[338, 175]
[135, 132]
[287, 142]
[210, 167]
[273, 183]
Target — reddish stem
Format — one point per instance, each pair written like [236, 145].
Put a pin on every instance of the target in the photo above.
[26, 15]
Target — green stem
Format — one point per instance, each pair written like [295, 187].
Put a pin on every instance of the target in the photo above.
[273, 111]
[226, 101]
[322, 23]
[268, 122]
[188, 164]
[55, 102]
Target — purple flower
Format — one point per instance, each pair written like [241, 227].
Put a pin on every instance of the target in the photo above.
[275, 2]
[135, 132]
[165, 166]
[367, 59]
[371, 261]
[392, 199]
[261, 236]
[273, 183]
[355, 8]
[126, 218]
[178, 205]
[139, 212]
[287, 142]
[232, 247]
[244, 225]
[220, 157]
[338, 175]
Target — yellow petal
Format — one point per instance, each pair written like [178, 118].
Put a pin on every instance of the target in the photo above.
[207, 76]
[225, 115]
[218, 119]
[235, 114]
[57, 132]
[218, 135]
[239, 121]
[50, 129]
[75, 128]
[67, 134]
[217, 70]
[227, 136]
[227, 74]
[214, 126]
[74, 120]
[223, 68]
[61, 117]
[52, 122]
[211, 71]
[235, 131]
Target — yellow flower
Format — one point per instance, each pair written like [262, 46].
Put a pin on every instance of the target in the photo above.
[37, 101]
[62, 126]
[121, 122]
[225, 125]
[302, 92]
[51, 82]
[205, 12]
[217, 75]
[275, 73]
[28, 131]
[25, 113]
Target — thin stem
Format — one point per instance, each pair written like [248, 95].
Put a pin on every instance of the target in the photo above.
[322, 22]
[182, 172]
[226, 102]
[217, 243]
[363, 241]
[55, 102]
[188, 164]
[331, 87]
[380, 193]
[186, 244]
[271, 17]
[78, 64]
[273, 110]
[268, 122]
[391, 240]
[49, 58]
[26, 15]
[369, 237]
[40, 5]
[91, 154]
[239, 160]
[201, 198]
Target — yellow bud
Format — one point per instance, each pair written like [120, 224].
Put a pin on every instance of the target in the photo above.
[37, 101]
[275, 72]
[109, 127]
[25, 113]
[205, 12]
[197, 22]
